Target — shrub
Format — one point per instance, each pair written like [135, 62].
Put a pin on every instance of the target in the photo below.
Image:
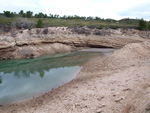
[0, 79]
[6, 28]
[115, 27]
[24, 23]
[1, 31]
[45, 31]
[38, 31]
[21, 32]
[148, 27]
[81, 31]
[142, 24]
[98, 33]
[101, 27]
[14, 33]
[39, 23]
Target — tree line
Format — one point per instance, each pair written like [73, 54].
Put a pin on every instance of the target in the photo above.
[142, 24]
[30, 14]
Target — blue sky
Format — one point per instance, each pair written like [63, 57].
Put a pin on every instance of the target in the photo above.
[115, 9]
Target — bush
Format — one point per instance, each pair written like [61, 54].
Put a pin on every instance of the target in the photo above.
[115, 27]
[45, 31]
[39, 23]
[0, 79]
[142, 24]
[24, 23]
[21, 32]
[148, 27]
[6, 28]
[1, 31]
[14, 33]
[38, 31]
[101, 27]
[98, 33]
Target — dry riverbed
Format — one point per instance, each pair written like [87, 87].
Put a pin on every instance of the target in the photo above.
[118, 83]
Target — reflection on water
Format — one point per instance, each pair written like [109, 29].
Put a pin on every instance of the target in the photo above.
[25, 78]
[0, 79]
[26, 67]
[17, 89]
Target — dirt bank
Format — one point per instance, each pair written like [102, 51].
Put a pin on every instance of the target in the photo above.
[118, 83]
[36, 42]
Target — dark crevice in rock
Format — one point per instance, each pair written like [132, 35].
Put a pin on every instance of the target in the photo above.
[100, 46]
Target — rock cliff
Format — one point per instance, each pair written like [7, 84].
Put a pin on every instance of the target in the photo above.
[36, 42]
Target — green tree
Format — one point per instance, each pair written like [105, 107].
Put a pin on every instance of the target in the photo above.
[0, 79]
[40, 15]
[11, 14]
[23, 15]
[29, 14]
[148, 27]
[21, 12]
[45, 16]
[39, 23]
[142, 24]
[8, 14]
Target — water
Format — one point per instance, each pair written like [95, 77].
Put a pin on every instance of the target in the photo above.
[27, 78]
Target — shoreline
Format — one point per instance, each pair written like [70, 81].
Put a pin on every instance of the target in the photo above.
[116, 83]
[67, 63]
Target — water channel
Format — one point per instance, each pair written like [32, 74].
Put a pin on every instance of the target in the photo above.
[27, 78]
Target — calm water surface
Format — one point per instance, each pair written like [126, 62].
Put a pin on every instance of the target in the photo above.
[27, 78]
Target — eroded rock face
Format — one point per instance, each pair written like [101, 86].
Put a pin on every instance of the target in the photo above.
[36, 42]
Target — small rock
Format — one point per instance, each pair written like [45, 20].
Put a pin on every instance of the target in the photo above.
[148, 107]
[99, 111]
[114, 95]
[102, 105]
[127, 89]
[76, 104]
[75, 87]
[100, 98]
[118, 100]
[85, 106]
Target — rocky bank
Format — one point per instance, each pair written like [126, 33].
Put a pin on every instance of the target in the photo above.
[36, 42]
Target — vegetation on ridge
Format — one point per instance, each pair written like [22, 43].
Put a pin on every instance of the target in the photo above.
[26, 20]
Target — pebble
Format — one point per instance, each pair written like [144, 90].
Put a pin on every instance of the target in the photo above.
[118, 100]
[99, 111]
[100, 98]
[148, 107]
[76, 104]
[102, 105]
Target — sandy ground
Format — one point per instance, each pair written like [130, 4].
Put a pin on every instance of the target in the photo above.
[118, 83]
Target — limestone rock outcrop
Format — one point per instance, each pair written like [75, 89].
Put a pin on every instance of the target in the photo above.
[36, 42]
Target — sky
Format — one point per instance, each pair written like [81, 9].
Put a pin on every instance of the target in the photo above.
[114, 9]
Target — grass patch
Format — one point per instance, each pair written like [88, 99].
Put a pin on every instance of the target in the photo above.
[48, 22]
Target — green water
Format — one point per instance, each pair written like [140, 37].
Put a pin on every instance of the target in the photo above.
[27, 78]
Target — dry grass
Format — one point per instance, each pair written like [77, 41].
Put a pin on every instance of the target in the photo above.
[71, 22]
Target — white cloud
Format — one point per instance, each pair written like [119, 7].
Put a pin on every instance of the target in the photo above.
[17, 5]
[103, 8]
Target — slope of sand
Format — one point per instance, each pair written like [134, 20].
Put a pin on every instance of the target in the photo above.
[118, 83]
